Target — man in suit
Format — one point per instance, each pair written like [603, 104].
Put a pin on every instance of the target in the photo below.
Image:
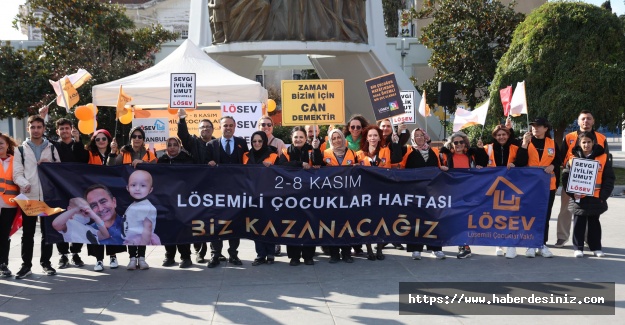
[227, 149]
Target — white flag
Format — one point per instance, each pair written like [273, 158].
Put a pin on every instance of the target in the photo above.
[518, 104]
[464, 118]
[424, 108]
[77, 79]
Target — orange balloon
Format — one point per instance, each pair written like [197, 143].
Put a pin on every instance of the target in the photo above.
[83, 113]
[173, 111]
[271, 105]
[126, 118]
[93, 108]
[140, 113]
[87, 126]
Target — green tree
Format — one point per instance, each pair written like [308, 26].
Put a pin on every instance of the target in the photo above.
[467, 38]
[391, 17]
[89, 34]
[572, 57]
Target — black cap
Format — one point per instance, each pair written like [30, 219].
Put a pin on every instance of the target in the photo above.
[540, 121]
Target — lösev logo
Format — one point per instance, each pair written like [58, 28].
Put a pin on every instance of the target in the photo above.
[499, 196]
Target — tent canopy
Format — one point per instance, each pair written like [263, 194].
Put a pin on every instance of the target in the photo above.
[151, 88]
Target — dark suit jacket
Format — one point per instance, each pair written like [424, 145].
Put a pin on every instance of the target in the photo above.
[217, 153]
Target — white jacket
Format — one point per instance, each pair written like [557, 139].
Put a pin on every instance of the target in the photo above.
[26, 174]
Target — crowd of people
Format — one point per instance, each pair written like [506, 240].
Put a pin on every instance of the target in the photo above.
[358, 142]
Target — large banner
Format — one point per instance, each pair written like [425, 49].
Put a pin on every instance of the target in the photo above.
[325, 206]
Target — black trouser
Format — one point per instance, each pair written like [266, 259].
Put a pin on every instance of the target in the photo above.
[419, 248]
[136, 251]
[217, 246]
[97, 251]
[552, 197]
[184, 249]
[594, 232]
[339, 251]
[200, 249]
[305, 252]
[7, 215]
[29, 225]
[66, 248]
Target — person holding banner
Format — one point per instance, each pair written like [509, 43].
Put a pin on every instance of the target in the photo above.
[503, 153]
[387, 132]
[542, 151]
[8, 209]
[301, 154]
[420, 155]
[134, 153]
[99, 149]
[374, 152]
[586, 121]
[339, 155]
[261, 154]
[457, 153]
[353, 130]
[588, 208]
[174, 155]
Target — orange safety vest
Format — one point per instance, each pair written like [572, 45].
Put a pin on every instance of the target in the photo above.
[384, 155]
[128, 157]
[284, 152]
[271, 159]
[602, 161]
[491, 158]
[330, 159]
[409, 150]
[549, 154]
[8, 188]
[94, 159]
[571, 138]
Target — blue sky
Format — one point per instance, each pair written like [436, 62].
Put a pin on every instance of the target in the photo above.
[10, 8]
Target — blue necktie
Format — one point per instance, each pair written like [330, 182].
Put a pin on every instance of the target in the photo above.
[228, 147]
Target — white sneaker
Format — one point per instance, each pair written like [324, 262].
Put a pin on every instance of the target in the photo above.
[511, 252]
[142, 264]
[439, 255]
[530, 252]
[499, 251]
[545, 252]
[114, 263]
[578, 254]
[416, 255]
[132, 265]
[599, 253]
[99, 266]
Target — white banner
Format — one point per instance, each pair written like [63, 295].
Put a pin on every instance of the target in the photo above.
[583, 176]
[246, 116]
[182, 89]
[407, 98]
[156, 129]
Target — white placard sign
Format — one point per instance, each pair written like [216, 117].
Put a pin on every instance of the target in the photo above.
[156, 129]
[246, 116]
[182, 89]
[583, 176]
[407, 98]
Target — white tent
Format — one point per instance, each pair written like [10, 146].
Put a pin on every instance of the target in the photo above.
[150, 88]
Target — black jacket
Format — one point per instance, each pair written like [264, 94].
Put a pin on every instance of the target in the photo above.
[192, 143]
[216, 152]
[415, 159]
[298, 156]
[477, 157]
[590, 205]
[181, 158]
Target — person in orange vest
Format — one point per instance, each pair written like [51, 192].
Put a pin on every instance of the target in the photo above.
[503, 153]
[304, 155]
[339, 155]
[134, 153]
[542, 151]
[374, 152]
[8, 209]
[588, 208]
[99, 149]
[262, 154]
[586, 121]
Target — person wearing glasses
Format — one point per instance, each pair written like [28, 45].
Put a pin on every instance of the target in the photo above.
[503, 153]
[303, 155]
[261, 154]
[265, 124]
[175, 155]
[353, 131]
[134, 153]
[196, 146]
[99, 149]
[374, 152]
[457, 153]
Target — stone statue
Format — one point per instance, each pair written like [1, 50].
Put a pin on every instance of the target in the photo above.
[219, 20]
